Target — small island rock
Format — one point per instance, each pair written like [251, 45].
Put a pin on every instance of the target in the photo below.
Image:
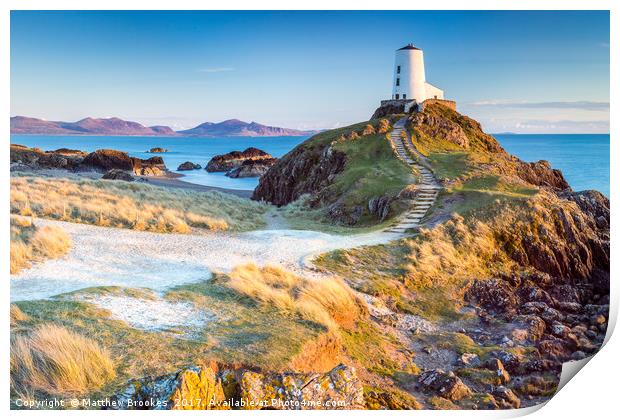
[234, 159]
[188, 166]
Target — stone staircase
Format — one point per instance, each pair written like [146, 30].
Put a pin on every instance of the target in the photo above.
[428, 189]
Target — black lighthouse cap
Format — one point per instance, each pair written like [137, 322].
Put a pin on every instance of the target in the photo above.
[408, 47]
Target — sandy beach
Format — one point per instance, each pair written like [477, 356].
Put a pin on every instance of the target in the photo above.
[177, 182]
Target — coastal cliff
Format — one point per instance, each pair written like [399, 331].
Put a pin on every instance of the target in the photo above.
[315, 168]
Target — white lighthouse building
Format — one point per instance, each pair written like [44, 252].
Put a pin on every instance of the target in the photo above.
[410, 78]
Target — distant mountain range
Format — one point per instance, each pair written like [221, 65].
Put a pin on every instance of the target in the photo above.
[118, 127]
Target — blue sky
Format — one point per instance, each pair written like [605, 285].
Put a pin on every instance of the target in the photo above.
[533, 72]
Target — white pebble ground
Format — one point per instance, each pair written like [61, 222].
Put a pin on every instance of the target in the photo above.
[102, 256]
[154, 314]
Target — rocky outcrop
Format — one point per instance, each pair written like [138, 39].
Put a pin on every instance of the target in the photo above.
[307, 169]
[506, 398]
[380, 206]
[223, 387]
[234, 159]
[157, 150]
[252, 168]
[188, 166]
[67, 152]
[389, 108]
[439, 128]
[446, 385]
[592, 203]
[541, 174]
[118, 175]
[23, 157]
[106, 159]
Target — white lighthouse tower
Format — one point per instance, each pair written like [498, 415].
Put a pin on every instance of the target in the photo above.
[410, 78]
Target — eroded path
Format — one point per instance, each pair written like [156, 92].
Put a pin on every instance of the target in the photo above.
[104, 256]
[428, 189]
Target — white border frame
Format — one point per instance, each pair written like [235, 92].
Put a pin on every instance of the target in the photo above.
[593, 395]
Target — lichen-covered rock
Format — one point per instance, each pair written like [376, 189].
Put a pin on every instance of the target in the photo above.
[506, 398]
[210, 387]
[157, 150]
[497, 366]
[337, 389]
[447, 385]
[390, 400]
[193, 388]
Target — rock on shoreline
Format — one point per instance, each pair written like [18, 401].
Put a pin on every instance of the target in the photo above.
[251, 162]
[252, 168]
[102, 160]
[188, 166]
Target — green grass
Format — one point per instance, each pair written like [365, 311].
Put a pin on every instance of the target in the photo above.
[457, 342]
[371, 170]
[300, 215]
[372, 348]
[480, 194]
[242, 333]
[449, 165]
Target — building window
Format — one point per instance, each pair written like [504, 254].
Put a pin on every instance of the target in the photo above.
[397, 96]
[397, 69]
[404, 96]
[398, 81]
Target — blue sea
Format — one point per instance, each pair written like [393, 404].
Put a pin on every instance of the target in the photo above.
[180, 149]
[582, 158]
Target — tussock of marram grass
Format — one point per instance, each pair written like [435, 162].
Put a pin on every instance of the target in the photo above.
[132, 205]
[30, 244]
[57, 361]
[328, 302]
[17, 315]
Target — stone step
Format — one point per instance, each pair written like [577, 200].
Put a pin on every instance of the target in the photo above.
[407, 226]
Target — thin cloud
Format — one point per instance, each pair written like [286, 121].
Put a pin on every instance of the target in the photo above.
[580, 105]
[215, 70]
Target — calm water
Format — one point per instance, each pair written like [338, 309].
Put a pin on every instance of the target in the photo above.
[181, 149]
[582, 158]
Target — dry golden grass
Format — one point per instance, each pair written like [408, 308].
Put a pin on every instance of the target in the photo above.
[56, 361]
[30, 244]
[328, 302]
[132, 205]
[17, 315]
[384, 126]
